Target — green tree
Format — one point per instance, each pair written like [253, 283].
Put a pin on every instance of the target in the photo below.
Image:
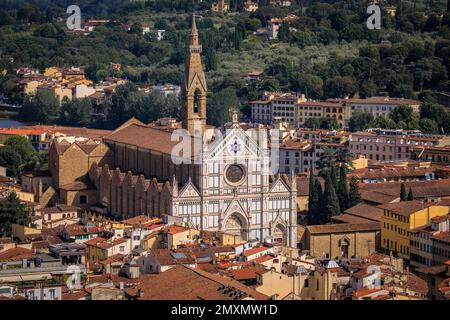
[220, 104]
[136, 29]
[42, 107]
[12, 212]
[326, 162]
[383, 123]
[122, 105]
[403, 195]
[410, 195]
[284, 33]
[18, 155]
[342, 191]
[22, 146]
[311, 190]
[77, 112]
[367, 89]
[429, 126]
[330, 199]
[354, 193]
[310, 85]
[406, 115]
[314, 196]
[11, 160]
[345, 158]
[334, 176]
[360, 120]
[340, 87]
[210, 59]
[319, 215]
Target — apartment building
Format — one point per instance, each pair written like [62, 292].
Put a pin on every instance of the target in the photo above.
[391, 144]
[296, 109]
[377, 106]
[430, 244]
[298, 155]
[220, 6]
[399, 219]
[439, 155]
[276, 107]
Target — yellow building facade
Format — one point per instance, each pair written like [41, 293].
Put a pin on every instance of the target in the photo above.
[400, 218]
[220, 6]
[53, 72]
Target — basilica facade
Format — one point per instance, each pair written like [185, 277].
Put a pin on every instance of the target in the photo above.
[225, 185]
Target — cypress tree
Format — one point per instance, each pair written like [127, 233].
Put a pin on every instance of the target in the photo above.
[410, 195]
[311, 190]
[319, 210]
[334, 174]
[312, 198]
[342, 190]
[354, 194]
[330, 199]
[403, 196]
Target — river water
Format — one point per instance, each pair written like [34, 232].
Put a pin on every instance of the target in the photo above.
[8, 123]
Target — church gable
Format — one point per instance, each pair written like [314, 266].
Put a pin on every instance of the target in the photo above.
[189, 190]
[235, 207]
[235, 143]
[279, 186]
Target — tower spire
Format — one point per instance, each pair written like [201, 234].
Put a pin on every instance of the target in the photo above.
[194, 88]
[194, 25]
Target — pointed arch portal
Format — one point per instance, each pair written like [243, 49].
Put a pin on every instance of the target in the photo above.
[236, 225]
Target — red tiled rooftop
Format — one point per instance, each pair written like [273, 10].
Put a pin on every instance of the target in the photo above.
[442, 237]
[184, 283]
[103, 243]
[174, 229]
[344, 227]
[15, 254]
[406, 208]
[263, 259]
[22, 132]
[365, 291]
[253, 251]
[245, 273]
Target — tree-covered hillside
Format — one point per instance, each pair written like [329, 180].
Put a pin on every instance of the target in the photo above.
[327, 52]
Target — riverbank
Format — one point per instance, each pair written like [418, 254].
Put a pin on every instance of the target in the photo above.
[8, 115]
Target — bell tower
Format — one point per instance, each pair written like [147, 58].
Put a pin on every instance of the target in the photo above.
[194, 87]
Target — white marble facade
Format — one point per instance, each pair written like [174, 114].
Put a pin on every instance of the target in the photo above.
[235, 195]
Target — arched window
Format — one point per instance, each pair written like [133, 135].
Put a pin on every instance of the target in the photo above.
[197, 94]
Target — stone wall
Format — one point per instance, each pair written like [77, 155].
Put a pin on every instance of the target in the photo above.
[330, 243]
[151, 164]
[129, 195]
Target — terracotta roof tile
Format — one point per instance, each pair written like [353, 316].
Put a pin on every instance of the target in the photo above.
[406, 208]
[145, 137]
[245, 273]
[183, 283]
[253, 251]
[442, 237]
[15, 254]
[365, 211]
[343, 227]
